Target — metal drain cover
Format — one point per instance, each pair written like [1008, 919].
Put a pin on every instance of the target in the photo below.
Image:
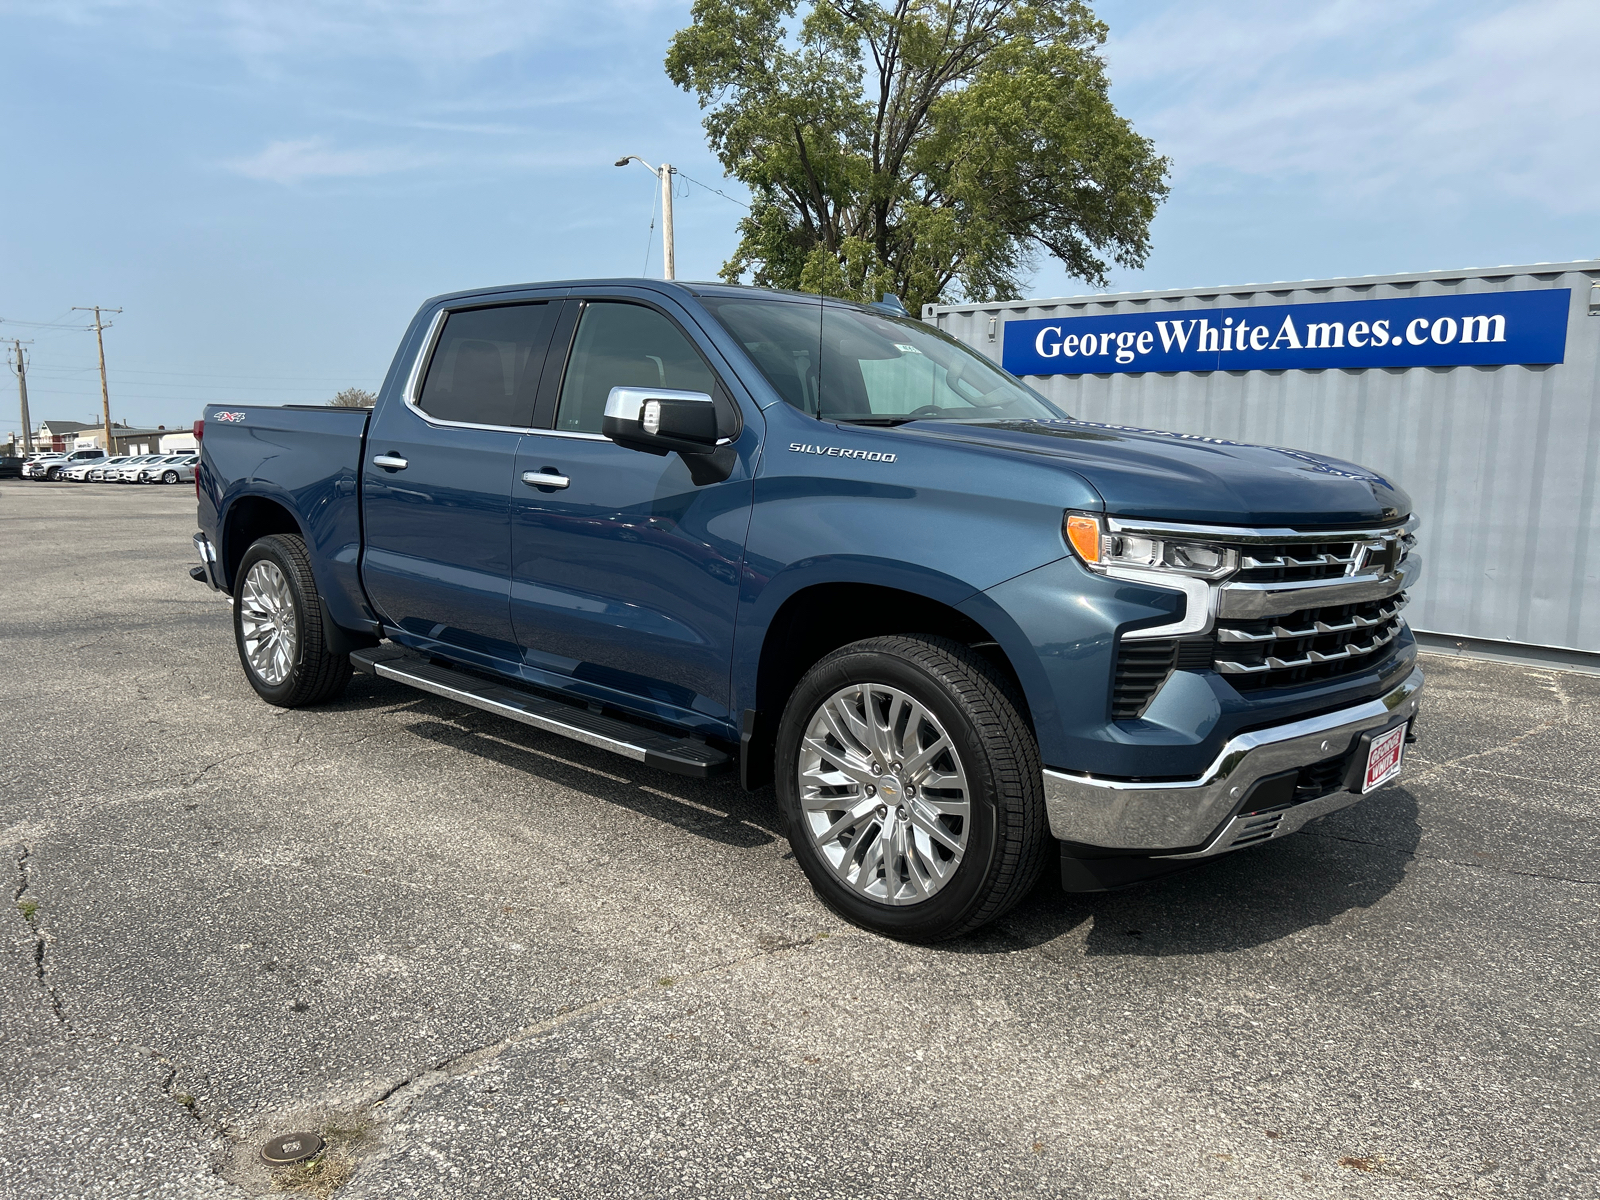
[290, 1148]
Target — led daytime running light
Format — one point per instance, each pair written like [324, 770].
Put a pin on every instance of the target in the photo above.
[1101, 550]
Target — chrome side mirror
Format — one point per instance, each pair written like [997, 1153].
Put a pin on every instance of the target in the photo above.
[661, 420]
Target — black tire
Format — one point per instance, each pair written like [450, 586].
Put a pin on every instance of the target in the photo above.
[1008, 833]
[53, 475]
[316, 675]
[169, 477]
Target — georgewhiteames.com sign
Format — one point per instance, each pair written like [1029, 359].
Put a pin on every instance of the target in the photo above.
[1482, 328]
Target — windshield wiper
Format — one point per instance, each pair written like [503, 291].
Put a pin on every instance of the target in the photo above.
[869, 420]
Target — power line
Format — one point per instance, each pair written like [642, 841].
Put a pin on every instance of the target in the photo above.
[204, 387]
[709, 188]
[52, 323]
[650, 234]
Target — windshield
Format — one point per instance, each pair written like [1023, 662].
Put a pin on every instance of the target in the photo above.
[843, 364]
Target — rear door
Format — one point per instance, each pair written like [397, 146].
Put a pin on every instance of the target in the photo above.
[625, 576]
[436, 485]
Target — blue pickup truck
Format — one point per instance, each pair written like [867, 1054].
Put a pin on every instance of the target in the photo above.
[822, 544]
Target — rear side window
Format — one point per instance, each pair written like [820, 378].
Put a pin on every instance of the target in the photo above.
[485, 368]
[625, 345]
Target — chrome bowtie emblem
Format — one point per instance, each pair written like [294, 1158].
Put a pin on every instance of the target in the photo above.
[1382, 556]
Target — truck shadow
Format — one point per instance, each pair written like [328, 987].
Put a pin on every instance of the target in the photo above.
[718, 810]
[1251, 898]
[1237, 902]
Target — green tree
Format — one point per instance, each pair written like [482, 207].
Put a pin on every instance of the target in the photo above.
[929, 148]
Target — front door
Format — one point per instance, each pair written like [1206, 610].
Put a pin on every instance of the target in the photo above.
[625, 580]
[437, 483]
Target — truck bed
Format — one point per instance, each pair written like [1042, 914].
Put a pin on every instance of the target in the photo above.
[308, 460]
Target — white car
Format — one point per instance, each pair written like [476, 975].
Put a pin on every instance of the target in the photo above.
[80, 471]
[174, 468]
[128, 472]
[99, 469]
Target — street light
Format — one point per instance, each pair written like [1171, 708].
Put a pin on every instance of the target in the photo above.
[664, 174]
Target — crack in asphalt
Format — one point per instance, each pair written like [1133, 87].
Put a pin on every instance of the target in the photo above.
[189, 1102]
[40, 940]
[469, 1062]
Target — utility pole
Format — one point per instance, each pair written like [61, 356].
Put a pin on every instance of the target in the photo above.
[667, 257]
[105, 392]
[20, 366]
[664, 173]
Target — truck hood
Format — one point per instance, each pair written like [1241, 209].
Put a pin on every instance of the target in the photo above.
[1184, 477]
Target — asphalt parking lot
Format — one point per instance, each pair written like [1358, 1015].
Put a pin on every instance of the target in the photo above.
[483, 961]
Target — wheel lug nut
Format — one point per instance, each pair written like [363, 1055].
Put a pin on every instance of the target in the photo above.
[877, 768]
[871, 791]
[883, 811]
[910, 791]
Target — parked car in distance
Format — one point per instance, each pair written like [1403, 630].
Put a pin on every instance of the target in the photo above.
[78, 472]
[38, 464]
[128, 472]
[51, 466]
[173, 468]
[11, 466]
[97, 470]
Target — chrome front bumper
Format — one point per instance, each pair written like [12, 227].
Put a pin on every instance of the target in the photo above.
[1168, 819]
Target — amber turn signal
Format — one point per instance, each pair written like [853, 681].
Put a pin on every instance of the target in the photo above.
[1083, 533]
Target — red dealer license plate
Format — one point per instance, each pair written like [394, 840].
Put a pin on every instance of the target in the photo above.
[1383, 759]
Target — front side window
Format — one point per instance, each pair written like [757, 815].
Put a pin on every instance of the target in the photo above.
[845, 364]
[485, 368]
[625, 345]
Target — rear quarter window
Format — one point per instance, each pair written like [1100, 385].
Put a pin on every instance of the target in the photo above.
[485, 366]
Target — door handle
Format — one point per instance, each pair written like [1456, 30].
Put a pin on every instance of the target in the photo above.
[546, 478]
[392, 461]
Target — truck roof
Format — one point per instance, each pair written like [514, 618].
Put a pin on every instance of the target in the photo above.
[697, 288]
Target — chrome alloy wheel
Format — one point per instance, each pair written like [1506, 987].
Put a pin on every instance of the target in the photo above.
[266, 617]
[884, 794]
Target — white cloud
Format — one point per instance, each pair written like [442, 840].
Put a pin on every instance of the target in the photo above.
[291, 162]
[1436, 101]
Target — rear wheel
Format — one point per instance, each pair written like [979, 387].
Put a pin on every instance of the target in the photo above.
[278, 626]
[911, 787]
[169, 477]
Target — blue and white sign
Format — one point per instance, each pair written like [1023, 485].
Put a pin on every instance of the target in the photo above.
[1480, 328]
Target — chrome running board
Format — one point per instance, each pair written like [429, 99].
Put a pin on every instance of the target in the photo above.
[681, 756]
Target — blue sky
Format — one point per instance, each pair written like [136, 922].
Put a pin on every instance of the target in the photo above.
[269, 189]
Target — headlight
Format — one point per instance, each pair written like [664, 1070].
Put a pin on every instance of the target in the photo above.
[1100, 549]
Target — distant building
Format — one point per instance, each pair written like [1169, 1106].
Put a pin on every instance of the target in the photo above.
[59, 435]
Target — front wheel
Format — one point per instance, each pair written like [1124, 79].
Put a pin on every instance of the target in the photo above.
[910, 784]
[278, 626]
[169, 477]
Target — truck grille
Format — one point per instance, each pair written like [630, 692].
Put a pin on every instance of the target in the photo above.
[1300, 647]
[1314, 643]
[1256, 652]
[1303, 562]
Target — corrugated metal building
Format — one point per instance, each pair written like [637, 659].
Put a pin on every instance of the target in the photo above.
[1498, 445]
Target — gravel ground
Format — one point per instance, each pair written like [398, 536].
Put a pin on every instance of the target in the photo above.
[483, 961]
